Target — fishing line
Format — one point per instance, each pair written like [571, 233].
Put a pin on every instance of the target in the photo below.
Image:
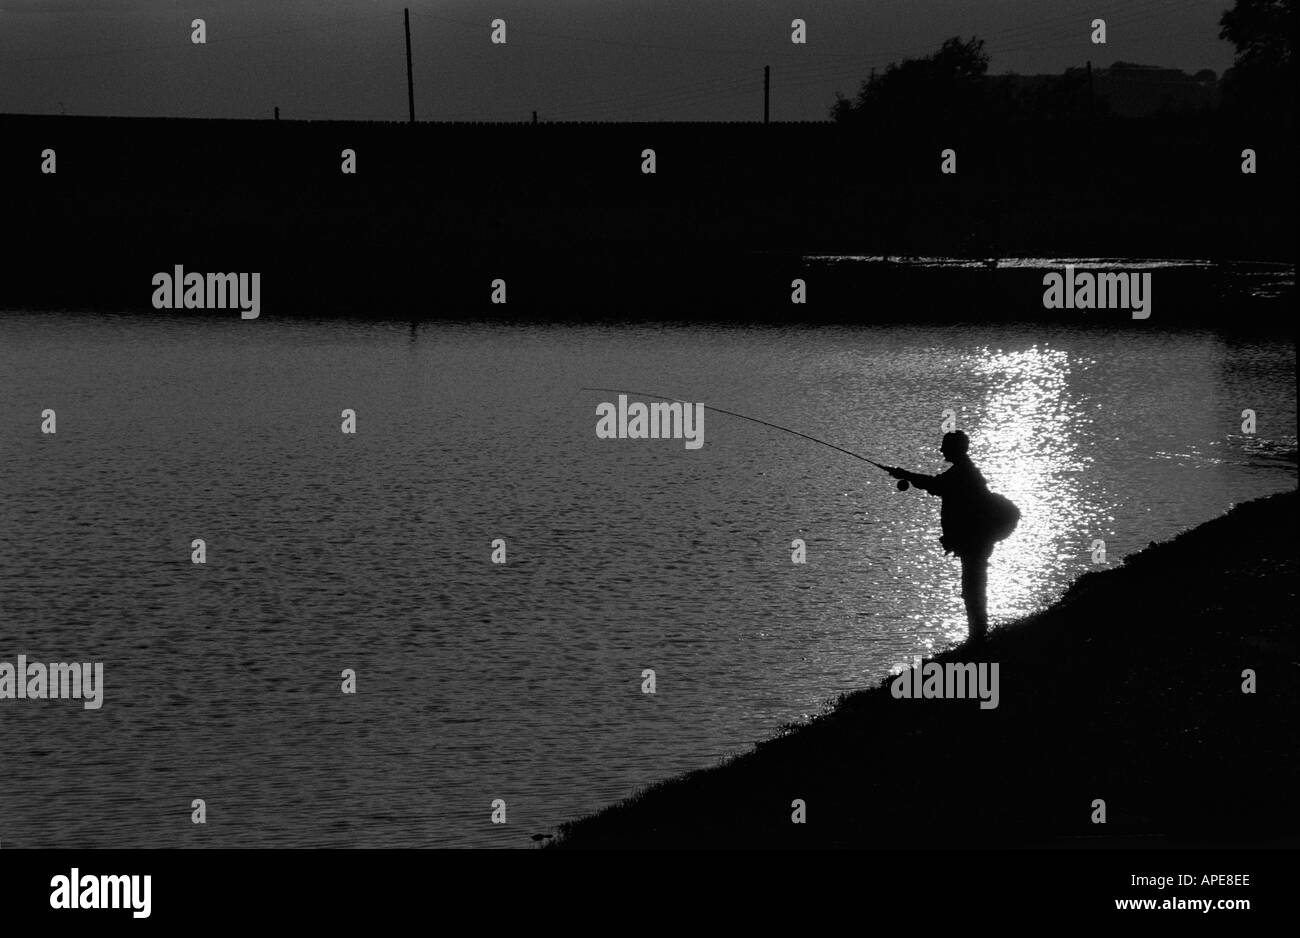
[732, 413]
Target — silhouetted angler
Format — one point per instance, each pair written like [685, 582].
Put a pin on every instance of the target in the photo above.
[963, 518]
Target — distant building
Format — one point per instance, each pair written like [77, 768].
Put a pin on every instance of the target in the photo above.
[1124, 89]
[1141, 90]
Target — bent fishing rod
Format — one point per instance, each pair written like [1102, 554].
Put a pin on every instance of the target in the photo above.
[732, 413]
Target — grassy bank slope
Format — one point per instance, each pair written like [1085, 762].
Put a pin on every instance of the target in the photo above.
[1128, 690]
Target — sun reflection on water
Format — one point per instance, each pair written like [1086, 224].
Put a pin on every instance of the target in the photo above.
[1027, 441]
[1028, 437]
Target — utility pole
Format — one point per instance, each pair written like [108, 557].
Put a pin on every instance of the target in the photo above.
[534, 117]
[277, 113]
[410, 82]
[767, 90]
[1090, 89]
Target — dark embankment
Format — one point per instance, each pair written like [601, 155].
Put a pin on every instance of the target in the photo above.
[1127, 690]
[564, 214]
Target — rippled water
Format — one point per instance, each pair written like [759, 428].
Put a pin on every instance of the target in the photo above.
[523, 681]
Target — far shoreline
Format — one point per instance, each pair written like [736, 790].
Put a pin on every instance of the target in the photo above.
[716, 287]
[429, 217]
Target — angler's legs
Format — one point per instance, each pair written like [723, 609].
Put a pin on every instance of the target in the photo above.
[974, 586]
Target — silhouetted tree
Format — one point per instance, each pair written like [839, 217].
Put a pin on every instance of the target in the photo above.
[949, 84]
[954, 85]
[1262, 77]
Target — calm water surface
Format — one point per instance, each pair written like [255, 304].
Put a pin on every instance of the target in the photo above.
[523, 681]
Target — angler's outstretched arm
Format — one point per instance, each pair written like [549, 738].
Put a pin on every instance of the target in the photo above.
[931, 484]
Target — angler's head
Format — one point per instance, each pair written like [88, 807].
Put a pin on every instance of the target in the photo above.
[955, 445]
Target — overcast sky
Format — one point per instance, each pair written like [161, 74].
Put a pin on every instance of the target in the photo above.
[568, 59]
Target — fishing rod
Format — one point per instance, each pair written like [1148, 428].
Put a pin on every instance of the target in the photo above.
[774, 426]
